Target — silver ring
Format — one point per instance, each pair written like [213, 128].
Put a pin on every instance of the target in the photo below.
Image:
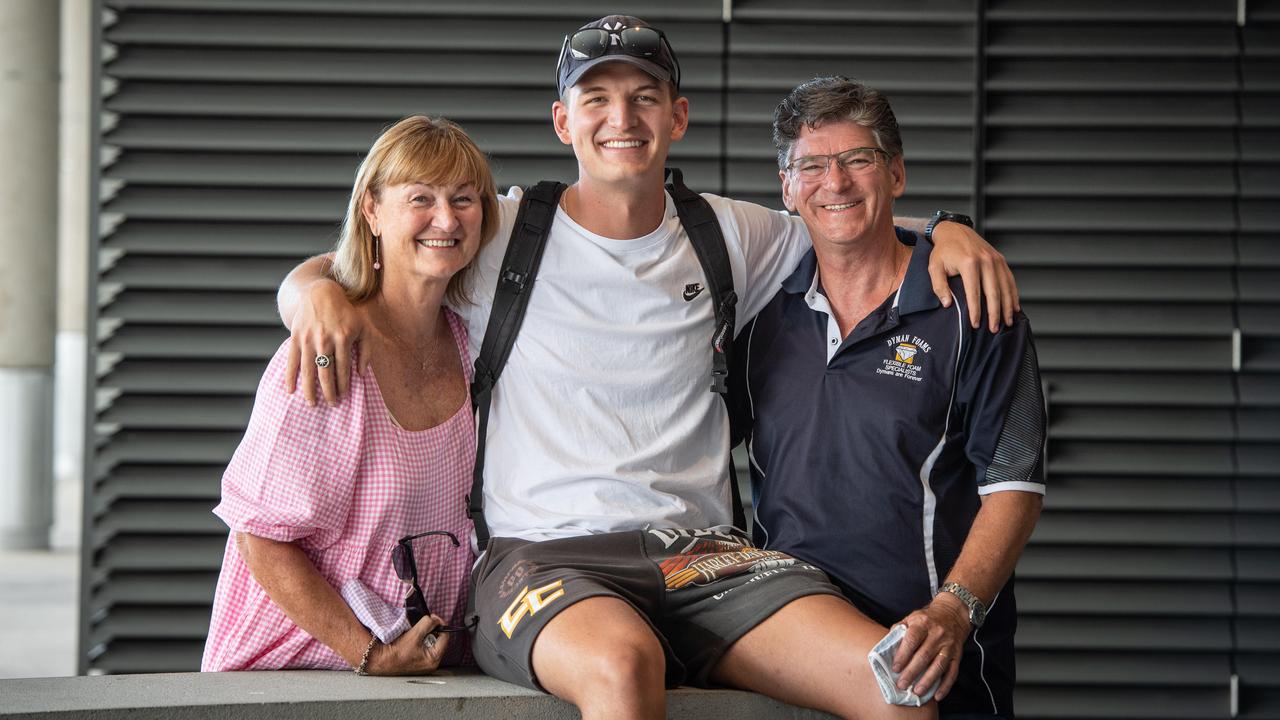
[322, 361]
[429, 642]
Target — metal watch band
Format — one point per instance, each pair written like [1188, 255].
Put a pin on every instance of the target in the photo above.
[977, 610]
[945, 216]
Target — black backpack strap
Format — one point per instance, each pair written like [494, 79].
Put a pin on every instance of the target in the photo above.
[510, 300]
[700, 223]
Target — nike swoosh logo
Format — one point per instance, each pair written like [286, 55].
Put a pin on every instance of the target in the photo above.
[692, 291]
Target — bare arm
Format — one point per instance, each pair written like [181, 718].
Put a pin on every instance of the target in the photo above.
[293, 583]
[959, 250]
[936, 633]
[323, 322]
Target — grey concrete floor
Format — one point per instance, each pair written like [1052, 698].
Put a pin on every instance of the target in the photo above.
[39, 594]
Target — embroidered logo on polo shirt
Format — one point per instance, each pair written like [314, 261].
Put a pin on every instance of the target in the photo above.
[908, 357]
[691, 291]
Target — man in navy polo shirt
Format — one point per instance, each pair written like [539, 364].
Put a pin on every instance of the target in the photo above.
[891, 444]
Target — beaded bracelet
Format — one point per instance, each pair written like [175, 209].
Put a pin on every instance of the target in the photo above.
[364, 659]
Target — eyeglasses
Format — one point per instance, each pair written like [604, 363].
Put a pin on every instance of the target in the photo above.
[857, 161]
[415, 603]
[643, 42]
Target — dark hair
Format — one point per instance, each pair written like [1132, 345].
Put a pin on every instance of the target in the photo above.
[834, 98]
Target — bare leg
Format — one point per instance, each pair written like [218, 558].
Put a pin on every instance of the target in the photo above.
[600, 655]
[813, 653]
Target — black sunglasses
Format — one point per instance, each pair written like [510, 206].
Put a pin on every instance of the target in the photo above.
[415, 603]
[645, 42]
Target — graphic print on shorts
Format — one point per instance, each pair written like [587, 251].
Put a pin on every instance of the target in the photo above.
[704, 560]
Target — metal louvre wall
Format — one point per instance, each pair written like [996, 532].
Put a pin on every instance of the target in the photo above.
[1124, 157]
[921, 54]
[1110, 168]
[1258, 414]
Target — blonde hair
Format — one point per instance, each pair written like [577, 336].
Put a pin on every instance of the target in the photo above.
[432, 151]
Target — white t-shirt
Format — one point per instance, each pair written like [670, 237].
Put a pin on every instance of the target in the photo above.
[603, 419]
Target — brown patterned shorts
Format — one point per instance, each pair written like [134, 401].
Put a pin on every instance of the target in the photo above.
[700, 591]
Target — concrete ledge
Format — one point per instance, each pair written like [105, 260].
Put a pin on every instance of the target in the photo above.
[319, 695]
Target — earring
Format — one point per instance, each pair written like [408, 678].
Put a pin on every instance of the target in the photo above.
[376, 242]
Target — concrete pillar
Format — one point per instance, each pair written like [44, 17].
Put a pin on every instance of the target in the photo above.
[73, 271]
[28, 280]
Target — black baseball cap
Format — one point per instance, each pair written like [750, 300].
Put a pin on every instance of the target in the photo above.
[616, 37]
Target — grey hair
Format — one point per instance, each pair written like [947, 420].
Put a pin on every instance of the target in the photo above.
[834, 98]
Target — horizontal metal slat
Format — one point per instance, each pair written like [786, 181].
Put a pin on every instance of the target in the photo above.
[265, 239]
[187, 273]
[1114, 74]
[1149, 355]
[179, 377]
[161, 553]
[1112, 39]
[1125, 703]
[167, 447]
[1140, 458]
[155, 481]
[1035, 108]
[1125, 633]
[1151, 389]
[416, 31]
[136, 517]
[1126, 563]
[1101, 11]
[170, 588]
[1257, 600]
[1061, 667]
[940, 11]
[180, 342]
[1259, 424]
[1113, 494]
[379, 103]
[1258, 564]
[1139, 599]
[1109, 214]
[509, 9]
[134, 411]
[832, 39]
[152, 622]
[1123, 176]
[1113, 250]
[1074, 422]
[1204, 529]
[148, 656]
[1135, 320]
[441, 67]
[217, 307]
[248, 170]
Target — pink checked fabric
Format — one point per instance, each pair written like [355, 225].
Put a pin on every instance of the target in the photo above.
[344, 483]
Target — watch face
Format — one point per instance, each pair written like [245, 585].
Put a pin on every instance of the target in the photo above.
[977, 616]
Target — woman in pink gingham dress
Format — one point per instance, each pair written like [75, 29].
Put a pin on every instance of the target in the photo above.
[317, 496]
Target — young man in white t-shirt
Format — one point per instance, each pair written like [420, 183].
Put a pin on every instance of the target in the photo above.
[614, 569]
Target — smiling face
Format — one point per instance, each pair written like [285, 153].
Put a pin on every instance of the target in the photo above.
[621, 122]
[428, 232]
[843, 208]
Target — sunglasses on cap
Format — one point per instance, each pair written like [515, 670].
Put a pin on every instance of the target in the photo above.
[641, 42]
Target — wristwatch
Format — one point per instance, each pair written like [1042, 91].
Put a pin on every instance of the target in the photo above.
[977, 611]
[945, 216]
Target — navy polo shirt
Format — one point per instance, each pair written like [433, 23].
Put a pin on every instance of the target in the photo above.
[869, 452]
